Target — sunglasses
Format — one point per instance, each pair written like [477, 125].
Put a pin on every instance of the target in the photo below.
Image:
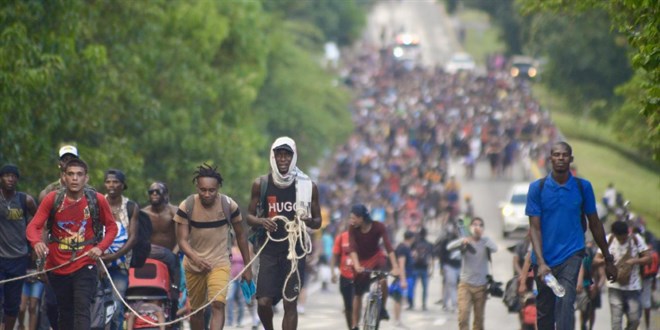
[157, 191]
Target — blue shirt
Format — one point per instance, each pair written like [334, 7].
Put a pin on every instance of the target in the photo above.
[560, 210]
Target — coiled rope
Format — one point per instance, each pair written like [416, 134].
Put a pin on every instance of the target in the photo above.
[296, 232]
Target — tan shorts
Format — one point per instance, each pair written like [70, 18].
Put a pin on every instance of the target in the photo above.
[204, 286]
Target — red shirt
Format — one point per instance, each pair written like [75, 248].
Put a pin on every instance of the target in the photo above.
[341, 249]
[369, 242]
[72, 223]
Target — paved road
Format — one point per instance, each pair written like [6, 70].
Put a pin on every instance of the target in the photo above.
[424, 18]
[323, 310]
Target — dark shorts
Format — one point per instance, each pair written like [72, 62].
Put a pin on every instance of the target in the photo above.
[273, 272]
[362, 280]
[10, 292]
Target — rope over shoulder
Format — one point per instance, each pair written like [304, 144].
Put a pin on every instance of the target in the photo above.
[296, 232]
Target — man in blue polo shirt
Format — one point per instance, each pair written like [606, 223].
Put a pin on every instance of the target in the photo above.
[556, 206]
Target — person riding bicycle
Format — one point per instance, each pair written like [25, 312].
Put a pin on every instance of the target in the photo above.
[364, 238]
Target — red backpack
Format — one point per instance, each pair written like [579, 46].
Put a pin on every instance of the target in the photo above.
[650, 270]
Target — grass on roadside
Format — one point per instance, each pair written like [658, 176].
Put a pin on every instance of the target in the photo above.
[602, 165]
[599, 164]
[481, 39]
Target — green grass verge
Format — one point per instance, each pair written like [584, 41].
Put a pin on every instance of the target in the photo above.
[601, 164]
[481, 38]
[598, 154]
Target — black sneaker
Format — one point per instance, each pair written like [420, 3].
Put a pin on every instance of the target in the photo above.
[384, 315]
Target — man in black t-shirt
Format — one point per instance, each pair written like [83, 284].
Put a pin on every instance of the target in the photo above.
[288, 192]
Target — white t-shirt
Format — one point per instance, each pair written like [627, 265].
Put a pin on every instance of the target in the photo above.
[618, 250]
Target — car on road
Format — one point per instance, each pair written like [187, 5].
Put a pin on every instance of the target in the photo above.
[523, 67]
[513, 209]
[460, 62]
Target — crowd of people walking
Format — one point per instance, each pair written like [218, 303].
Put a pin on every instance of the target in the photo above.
[390, 183]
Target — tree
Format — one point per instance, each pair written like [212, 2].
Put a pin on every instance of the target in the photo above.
[639, 21]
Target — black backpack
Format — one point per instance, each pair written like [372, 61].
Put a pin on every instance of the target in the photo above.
[142, 247]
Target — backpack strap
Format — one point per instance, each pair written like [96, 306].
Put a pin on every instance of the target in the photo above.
[57, 203]
[93, 206]
[263, 187]
[224, 200]
[226, 209]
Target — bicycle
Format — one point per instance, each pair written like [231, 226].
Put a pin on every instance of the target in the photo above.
[371, 319]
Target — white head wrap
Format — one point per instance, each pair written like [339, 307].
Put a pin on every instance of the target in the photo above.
[286, 179]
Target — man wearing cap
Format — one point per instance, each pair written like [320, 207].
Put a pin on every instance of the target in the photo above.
[117, 257]
[290, 193]
[15, 209]
[49, 303]
[77, 216]
[66, 153]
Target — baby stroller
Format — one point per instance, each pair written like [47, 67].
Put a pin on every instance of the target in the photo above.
[150, 282]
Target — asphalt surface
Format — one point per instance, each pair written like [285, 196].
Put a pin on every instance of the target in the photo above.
[324, 308]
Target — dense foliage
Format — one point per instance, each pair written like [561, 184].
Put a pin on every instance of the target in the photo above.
[603, 56]
[155, 88]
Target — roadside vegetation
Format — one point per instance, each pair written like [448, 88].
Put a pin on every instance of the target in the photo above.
[602, 155]
[156, 88]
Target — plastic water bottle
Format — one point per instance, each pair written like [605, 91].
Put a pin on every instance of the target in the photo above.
[552, 282]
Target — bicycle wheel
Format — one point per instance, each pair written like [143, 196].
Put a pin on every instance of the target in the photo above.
[372, 313]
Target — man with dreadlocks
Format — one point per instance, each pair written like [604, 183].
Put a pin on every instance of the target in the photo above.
[204, 221]
[285, 192]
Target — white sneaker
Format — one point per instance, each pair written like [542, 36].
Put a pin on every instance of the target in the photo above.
[400, 325]
[301, 309]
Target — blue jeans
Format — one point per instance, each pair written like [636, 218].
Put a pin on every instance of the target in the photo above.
[75, 294]
[628, 302]
[552, 310]
[234, 302]
[423, 275]
[450, 275]
[11, 291]
[120, 278]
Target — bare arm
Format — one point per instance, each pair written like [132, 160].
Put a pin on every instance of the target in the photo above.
[396, 267]
[31, 205]
[182, 233]
[132, 237]
[579, 287]
[402, 271]
[597, 231]
[356, 262]
[537, 244]
[522, 277]
[251, 217]
[315, 221]
[334, 261]
[516, 265]
[241, 240]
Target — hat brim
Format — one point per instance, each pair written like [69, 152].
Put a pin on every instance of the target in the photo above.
[284, 147]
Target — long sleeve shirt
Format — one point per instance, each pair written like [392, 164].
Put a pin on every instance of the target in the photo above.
[475, 265]
[72, 224]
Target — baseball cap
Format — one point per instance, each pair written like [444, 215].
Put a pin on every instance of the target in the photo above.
[68, 149]
[284, 147]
